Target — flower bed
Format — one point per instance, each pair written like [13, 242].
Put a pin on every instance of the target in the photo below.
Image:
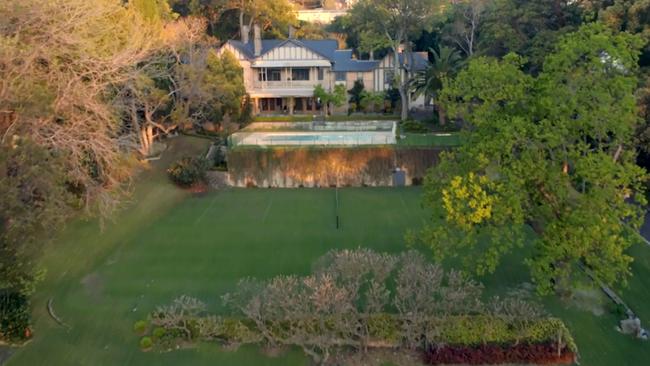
[492, 354]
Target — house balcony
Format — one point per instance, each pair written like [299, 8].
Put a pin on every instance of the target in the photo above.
[284, 88]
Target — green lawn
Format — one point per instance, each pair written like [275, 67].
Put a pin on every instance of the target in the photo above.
[170, 243]
[430, 139]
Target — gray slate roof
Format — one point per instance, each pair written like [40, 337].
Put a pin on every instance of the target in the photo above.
[328, 48]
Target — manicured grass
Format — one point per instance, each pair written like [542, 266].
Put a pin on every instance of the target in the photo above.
[430, 139]
[170, 243]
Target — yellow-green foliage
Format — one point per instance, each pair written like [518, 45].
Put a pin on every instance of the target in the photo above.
[235, 331]
[463, 330]
[467, 201]
[479, 329]
[383, 327]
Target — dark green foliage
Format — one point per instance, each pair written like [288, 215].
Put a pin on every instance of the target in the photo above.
[413, 126]
[14, 316]
[146, 343]
[529, 28]
[188, 171]
[158, 332]
[392, 96]
[355, 94]
[246, 115]
[551, 151]
[140, 326]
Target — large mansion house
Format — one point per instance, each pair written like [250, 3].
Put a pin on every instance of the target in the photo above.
[280, 75]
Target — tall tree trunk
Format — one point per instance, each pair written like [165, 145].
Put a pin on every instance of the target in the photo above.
[147, 133]
[144, 147]
[241, 23]
[405, 102]
[397, 78]
[442, 116]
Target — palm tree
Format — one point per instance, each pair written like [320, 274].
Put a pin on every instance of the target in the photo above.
[429, 81]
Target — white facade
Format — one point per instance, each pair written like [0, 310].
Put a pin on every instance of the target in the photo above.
[280, 76]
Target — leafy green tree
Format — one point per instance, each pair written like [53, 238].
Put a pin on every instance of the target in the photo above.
[227, 18]
[398, 22]
[210, 87]
[370, 42]
[337, 97]
[528, 28]
[371, 101]
[355, 93]
[554, 152]
[429, 82]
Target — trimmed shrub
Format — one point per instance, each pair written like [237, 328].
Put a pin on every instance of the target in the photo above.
[158, 333]
[188, 171]
[140, 327]
[235, 331]
[414, 127]
[14, 316]
[146, 343]
[383, 327]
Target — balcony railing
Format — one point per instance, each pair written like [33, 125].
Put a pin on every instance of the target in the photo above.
[286, 84]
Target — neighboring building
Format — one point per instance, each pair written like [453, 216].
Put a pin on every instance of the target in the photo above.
[280, 75]
[320, 16]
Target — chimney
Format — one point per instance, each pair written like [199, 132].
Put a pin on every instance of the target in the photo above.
[292, 32]
[245, 33]
[257, 40]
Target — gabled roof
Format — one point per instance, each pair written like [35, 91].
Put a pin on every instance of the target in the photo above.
[343, 61]
[327, 48]
[420, 60]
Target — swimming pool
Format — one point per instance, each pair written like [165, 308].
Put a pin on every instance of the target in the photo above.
[372, 135]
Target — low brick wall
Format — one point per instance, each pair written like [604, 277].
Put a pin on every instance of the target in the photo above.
[288, 167]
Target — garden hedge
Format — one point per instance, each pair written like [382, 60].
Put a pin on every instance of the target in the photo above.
[471, 339]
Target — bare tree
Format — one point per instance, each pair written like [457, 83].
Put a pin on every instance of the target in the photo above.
[463, 31]
[59, 60]
[179, 315]
[334, 307]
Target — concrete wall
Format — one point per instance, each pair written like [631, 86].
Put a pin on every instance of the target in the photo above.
[324, 167]
[320, 16]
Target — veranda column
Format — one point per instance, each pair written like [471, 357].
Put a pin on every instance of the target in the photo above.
[290, 106]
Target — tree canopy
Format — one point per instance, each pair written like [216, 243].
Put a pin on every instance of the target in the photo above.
[393, 23]
[554, 152]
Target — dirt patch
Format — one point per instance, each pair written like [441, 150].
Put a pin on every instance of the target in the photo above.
[378, 357]
[274, 351]
[93, 285]
[198, 188]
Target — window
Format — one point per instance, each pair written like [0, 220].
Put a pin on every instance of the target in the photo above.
[274, 75]
[261, 75]
[321, 73]
[300, 74]
[340, 76]
[388, 77]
